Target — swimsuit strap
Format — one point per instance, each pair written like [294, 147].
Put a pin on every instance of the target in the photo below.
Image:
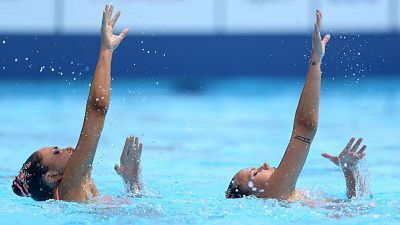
[57, 195]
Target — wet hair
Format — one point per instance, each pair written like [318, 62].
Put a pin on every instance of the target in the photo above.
[236, 190]
[30, 182]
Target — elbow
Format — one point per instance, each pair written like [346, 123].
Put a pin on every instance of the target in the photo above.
[309, 125]
[99, 100]
[102, 107]
[99, 105]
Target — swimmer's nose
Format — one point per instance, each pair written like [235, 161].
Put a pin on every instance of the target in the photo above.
[265, 166]
[68, 150]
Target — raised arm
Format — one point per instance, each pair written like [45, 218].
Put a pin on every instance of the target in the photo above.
[282, 182]
[76, 183]
[347, 160]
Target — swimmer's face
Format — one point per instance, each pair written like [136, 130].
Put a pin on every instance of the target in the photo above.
[55, 158]
[254, 179]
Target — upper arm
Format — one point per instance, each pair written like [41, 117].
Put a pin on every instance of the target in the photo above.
[282, 182]
[77, 174]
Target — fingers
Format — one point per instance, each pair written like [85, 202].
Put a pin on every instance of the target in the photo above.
[348, 146]
[361, 155]
[361, 152]
[136, 141]
[126, 147]
[327, 155]
[326, 39]
[318, 15]
[334, 159]
[104, 20]
[107, 13]
[356, 145]
[110, 10]
[140, 151]
[114, 19]
[123, 33]
[131, 144]
[117, 169]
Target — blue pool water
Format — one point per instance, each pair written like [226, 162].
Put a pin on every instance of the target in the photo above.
[196, 135]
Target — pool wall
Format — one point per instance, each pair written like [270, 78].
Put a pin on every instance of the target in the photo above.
[67, 56]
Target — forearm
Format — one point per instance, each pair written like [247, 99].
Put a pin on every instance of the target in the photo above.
[350, 177]
[79, 166]
[308, 106]
[132, 185]
[99, 95]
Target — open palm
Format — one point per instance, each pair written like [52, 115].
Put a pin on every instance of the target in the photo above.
[129, 166]
[318, 44]
[109, 40]
[350, 155]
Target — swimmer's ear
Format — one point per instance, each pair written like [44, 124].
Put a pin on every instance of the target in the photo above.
[52, 177]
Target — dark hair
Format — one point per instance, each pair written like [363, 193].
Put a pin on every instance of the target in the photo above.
[236, 190]
[30, 182]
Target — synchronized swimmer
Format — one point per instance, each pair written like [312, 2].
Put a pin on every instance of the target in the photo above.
[65, 173]
[280, 183]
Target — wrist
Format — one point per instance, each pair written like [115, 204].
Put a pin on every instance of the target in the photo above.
[105, 49]
[347, 167]
[315, 60]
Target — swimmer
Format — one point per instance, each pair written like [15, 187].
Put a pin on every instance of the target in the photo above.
[65, 173]
[280, 183]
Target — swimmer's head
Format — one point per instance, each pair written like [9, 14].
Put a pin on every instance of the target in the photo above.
[41, 173]
[249, 181]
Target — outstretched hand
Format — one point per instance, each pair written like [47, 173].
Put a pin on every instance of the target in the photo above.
[129, 167]
[350, 155]
[110, 41]
[318, 44]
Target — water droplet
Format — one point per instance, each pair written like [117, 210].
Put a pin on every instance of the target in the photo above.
[250, 184]
[16, 60]
[4, 41]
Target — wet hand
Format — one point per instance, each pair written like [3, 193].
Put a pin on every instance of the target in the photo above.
[110, 41]
[318, 45]
[129, 167]
[350, 155]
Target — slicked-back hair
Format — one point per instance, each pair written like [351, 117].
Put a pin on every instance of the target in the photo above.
[236, 190]
[32, 179]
